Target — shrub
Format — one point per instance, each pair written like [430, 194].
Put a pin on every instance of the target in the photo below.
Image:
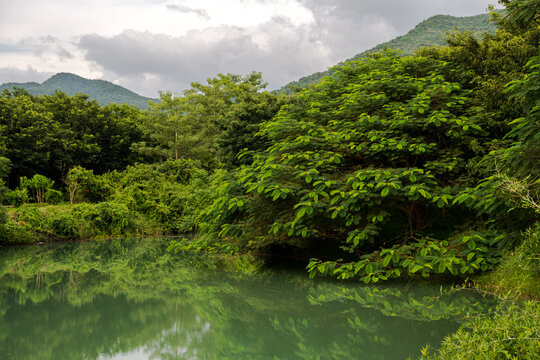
[31, 216]
[104, 218]
[519, 271]
[53, 196]
[17, 197]
[65, 225]
[511, 332]
[38, 185]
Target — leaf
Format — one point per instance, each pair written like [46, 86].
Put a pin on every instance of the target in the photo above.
[441, 268]
[385, 192]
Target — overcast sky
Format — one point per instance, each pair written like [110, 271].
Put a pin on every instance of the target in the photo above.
[151, 45]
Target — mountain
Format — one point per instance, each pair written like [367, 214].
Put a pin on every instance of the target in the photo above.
[104, 92]
[429, 32]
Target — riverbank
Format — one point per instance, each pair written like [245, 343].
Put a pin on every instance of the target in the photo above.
[33, 223]
[511, 330]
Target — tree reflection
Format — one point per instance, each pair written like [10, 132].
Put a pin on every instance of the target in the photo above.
[103, 299]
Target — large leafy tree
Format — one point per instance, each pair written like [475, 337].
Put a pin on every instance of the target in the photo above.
[364, 166]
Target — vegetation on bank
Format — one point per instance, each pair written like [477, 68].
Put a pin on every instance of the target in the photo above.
[144, 199]
[422, 165]
[509, 332]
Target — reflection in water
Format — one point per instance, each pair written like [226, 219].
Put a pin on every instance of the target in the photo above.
[130, 299]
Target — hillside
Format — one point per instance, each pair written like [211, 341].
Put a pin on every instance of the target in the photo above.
[429, 32]
[103, 91]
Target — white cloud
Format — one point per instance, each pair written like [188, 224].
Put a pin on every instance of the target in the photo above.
[174, 62]
[150, 45]
[188, 10]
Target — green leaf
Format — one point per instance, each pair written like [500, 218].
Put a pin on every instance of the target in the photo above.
[441, 268]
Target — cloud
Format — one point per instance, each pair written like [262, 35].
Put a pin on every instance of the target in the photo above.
[148, 49]
[46, 45]
[279, 49]
[187, 10]
[401, 15]
[11, 74]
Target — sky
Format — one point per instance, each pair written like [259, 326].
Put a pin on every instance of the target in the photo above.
[152, 45]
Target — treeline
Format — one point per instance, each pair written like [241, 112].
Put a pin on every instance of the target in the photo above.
[50, 134]
[116, 170]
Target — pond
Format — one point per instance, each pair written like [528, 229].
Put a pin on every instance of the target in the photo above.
[130, 299]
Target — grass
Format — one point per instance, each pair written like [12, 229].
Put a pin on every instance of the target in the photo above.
[518, 274]
[509, 332]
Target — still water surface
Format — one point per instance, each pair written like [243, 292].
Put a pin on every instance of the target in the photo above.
[130, 299]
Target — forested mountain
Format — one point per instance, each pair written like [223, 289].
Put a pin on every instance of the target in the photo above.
[429, 32]
[103, 91]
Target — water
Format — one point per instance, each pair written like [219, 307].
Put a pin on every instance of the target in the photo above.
[130, 299]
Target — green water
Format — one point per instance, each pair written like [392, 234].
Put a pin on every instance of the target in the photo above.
[130, 299]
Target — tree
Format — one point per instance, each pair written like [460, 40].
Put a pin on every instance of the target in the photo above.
[363, 167]
[38, 186]
[50, 134]
[76, 178]
[195, 122]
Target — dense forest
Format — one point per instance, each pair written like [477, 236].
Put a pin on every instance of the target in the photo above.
[392, 167]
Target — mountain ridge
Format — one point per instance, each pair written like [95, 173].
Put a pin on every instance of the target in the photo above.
[105, 92]
[431, 31]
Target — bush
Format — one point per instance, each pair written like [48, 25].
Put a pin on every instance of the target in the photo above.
[14, 234]
[104, 218]
[16, 197]
[38, 185]
[66, 226]
[511, 332]
[519, 271]
[53, 196]
[31, 216]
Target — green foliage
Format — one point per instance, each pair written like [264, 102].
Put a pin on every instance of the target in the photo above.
[50, 134]
[465, 254]
[521, 14]
[38, 185]
[17, 197]
[144, 199]
[105, 217]
[53, 196]
[367, 162]
[510, 332]
[77, 180]
[519, 271]
[208, 122]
